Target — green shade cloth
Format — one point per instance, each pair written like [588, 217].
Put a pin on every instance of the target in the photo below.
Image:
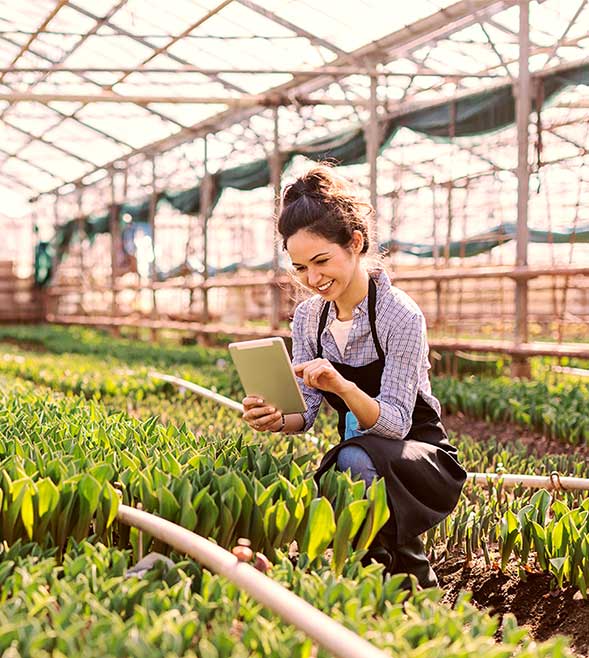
[480, 113]
[94, 226]
[186, 201]
[44, 255]
[345, 148]
[139, 212]
[244, 177]
[473, 115]
[482, 242]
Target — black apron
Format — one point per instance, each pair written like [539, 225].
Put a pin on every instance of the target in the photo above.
[422, 475]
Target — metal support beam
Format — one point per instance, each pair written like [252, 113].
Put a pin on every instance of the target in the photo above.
[46, 142]
[41, 27]
[152, 212]
[114, 245]
[429, 29]
[147, 44]
[264, 100]
[523, 106]
[560, 40]
[81, 232]
[422, 72]
[372, 140]
[276, 168]
[72, 117]
[206, 201]
[297, 29]
[18, 157]
[16, 181]
[449, 225]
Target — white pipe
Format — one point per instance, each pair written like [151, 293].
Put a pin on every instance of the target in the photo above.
[337, 639]
[579, 372]
[200, 390]
[206, 393]
[553, 481]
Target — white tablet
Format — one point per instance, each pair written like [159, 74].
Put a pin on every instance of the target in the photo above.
[265, 370]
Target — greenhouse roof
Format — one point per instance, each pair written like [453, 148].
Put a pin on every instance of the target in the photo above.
[83, 93]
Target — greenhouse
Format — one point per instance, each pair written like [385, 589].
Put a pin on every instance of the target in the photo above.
[393, 201]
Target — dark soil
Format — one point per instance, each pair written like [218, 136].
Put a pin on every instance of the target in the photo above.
[535, 442]
[534, 601]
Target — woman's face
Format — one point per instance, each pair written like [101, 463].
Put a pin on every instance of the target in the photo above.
[324, 267]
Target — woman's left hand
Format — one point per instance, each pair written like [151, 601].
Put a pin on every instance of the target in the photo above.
[319, 373]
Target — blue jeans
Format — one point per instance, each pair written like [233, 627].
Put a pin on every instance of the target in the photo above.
[357, 460]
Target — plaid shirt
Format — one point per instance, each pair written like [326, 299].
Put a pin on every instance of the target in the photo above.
[402, 334]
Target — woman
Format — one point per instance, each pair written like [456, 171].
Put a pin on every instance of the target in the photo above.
[361, 343]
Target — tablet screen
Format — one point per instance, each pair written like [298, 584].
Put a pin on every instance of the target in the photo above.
[265, 370]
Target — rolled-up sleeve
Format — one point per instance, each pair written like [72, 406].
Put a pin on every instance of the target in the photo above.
[406, 346]
[302, 350]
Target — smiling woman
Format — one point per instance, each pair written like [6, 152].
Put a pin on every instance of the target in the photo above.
[361, 344]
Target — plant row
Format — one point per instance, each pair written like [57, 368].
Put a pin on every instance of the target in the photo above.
[558, 411]
[59, 465]
[97, 377]
[85, 341]
[539, 533]
[224, 487]
[91, 604]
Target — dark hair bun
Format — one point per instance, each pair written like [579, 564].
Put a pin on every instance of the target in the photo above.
[323, 203]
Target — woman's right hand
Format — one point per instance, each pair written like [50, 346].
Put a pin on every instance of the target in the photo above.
[261, 416]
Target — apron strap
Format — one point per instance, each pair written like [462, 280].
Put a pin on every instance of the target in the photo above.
[322, 323]
[371, 317]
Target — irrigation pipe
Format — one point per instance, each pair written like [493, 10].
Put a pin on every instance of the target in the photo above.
[210, 395]
[199, 390]
[565, 370]
[337, 639]
[553, 481]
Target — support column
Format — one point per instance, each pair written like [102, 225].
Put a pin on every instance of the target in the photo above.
[152, 211]
[81, 232]
[520, 365]
[450, 208]
[138, 292]
[436, 256]
[187, 253]
[206, 201]
[115, 232]
[372, 147]
[54, 301]
[275, 171]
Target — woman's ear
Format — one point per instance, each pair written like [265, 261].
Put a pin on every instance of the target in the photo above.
[357, 241]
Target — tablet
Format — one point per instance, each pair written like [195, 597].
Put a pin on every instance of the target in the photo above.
[265, 370]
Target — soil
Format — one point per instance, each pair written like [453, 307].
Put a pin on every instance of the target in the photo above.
[536, 443]
[534, 602]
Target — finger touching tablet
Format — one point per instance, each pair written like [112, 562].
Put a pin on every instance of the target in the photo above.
[265, 371]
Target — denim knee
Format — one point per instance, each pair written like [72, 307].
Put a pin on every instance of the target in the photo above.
[358, 461]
